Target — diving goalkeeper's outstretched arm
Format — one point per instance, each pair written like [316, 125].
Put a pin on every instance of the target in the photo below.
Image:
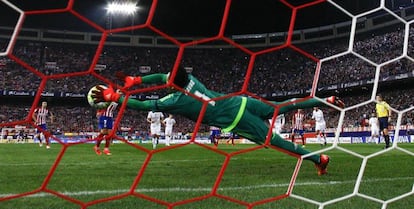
[130, 81]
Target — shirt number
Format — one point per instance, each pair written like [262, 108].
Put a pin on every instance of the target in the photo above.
[205, 98]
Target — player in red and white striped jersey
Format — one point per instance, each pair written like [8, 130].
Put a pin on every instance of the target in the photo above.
[39, 117]
[297, 126]
[105, 125]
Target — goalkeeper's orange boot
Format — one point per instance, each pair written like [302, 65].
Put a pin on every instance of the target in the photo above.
[107, 152]
[335, 101]
[97, 150]
[323, 164]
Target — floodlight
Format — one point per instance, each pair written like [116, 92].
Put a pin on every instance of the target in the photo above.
[127, 8]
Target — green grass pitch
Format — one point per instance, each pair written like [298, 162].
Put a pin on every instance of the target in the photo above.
[185, 178]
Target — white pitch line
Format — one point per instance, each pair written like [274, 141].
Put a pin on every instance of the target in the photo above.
[179, 189]
[97, 163]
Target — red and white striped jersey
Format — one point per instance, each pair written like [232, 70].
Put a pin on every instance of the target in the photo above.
[41, 115]
[109, 111]
[297, 120]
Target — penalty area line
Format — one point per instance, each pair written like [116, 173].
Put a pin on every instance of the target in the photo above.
[179, 189]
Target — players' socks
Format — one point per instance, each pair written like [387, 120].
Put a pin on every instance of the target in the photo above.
[286, 145]
[387, 141]
[154, 143]
[99, 139]
[107, 142]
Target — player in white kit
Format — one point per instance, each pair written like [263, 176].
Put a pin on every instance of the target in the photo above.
[279, 123]
[320, 125]
[155, 118]
[168, 122]
[374, 125]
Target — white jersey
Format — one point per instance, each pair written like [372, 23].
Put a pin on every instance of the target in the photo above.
[169, 123]
[374, 124]
[155, 119]
[280, 120]
[279, 123]
[320, 124]
[317, 115]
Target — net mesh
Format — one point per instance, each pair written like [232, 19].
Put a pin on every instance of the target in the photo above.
[352, 50]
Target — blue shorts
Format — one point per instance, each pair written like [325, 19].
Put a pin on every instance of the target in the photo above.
[105, 122]
[383, 123]
[43, 127]
[214, 133]
[298, 131]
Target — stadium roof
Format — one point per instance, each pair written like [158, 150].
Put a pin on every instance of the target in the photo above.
[190, 17]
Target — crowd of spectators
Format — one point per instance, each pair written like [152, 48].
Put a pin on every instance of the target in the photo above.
[224, 69]
[221, 69]
[75, 119]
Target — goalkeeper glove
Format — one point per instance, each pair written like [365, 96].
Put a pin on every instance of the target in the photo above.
[129, 80]
[105, 95]
[335, 101]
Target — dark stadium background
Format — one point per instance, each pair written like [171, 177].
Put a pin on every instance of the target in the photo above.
[195, 17]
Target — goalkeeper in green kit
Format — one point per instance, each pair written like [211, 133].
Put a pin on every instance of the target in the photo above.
[242, 115]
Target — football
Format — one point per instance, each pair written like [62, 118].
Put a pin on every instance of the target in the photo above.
[99, 105]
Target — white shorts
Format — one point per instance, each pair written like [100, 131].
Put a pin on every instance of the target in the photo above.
[320, 126]
[374, 131]
[277, 129]
[168, 131]
[155, 129]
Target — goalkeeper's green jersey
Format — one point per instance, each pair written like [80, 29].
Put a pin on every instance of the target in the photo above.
[242, 115]
[220, 113]
[221, 110]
